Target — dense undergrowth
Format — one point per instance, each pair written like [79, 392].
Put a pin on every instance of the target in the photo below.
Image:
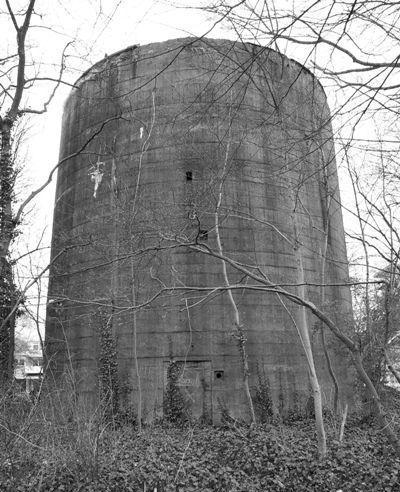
[266, 458]
[57, 443]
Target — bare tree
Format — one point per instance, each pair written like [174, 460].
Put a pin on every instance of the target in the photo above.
[353, 48]
[12, 94]
[27, 88]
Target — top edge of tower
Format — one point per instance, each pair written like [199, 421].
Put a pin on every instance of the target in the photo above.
[168, 46]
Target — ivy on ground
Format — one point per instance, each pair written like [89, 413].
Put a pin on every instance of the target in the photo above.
[271, 458]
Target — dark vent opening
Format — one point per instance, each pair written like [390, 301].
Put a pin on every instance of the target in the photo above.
[203, 235]
[189, 175]
[219, 374]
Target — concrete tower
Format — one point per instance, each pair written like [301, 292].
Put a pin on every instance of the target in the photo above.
[176, 154]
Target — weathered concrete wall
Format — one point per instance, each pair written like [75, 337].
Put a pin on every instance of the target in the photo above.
[237, 116]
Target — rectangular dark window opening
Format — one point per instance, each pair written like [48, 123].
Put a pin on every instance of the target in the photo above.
[189, 175]
[203, 235]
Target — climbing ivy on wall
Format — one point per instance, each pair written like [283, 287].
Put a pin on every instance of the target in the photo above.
[175, 405]
[8, 296]
[108, 365]
[262, 398]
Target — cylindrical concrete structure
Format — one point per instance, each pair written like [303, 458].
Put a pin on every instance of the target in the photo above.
[161, 144]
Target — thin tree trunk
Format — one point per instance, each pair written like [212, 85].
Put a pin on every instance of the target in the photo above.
[323, 270]
[241, 338]
[392, 368]
[319, 419]
[8, 294]
[7, 232]
[376, 403]
[135, 352]
[306, 342]
[331, 372]
[133, 300]
[343, 422]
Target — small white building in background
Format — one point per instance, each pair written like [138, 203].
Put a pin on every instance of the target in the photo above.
[28, 367]
[28, 356]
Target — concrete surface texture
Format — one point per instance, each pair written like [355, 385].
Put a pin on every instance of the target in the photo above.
[166, 141]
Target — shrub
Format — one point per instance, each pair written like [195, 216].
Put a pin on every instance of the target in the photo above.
[175, 404]
[262, 399]
[57, 443]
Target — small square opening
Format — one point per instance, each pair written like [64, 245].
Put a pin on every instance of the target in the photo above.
[219, 375]
[189, 175]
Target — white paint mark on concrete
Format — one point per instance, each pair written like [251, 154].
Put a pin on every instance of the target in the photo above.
[96, 173]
